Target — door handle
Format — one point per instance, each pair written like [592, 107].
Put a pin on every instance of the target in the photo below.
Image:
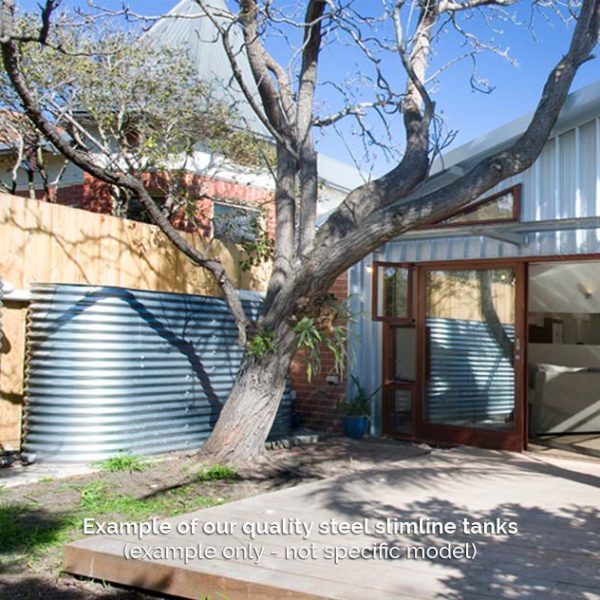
[517, 348]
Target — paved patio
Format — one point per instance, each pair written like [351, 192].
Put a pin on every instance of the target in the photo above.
[554, 502]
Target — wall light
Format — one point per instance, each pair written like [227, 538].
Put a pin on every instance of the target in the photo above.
[584, 290]
[369, 268]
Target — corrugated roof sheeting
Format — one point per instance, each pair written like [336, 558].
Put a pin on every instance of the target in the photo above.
[112, 369]
[196, 34]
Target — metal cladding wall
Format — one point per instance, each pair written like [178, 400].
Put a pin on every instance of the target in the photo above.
[563, 183]
[112, 369]
[471, 379]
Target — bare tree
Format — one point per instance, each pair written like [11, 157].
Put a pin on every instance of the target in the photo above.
[307, 261]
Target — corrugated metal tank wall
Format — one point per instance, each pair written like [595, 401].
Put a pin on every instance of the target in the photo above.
[563, 183]
[112, 369]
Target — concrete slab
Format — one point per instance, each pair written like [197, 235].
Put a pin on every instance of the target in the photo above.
[18, 474]
[541, 539]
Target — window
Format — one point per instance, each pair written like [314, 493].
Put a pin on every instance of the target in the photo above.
[234, 223]
[501, 207]
[392, 292]
[135, 211]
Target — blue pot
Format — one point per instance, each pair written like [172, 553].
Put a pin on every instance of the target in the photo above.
[355, 427]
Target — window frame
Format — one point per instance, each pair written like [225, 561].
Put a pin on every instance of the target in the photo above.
[515, 191]
[409, 318]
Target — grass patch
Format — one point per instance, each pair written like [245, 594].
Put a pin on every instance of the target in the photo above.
[218, 473]
[29, 530]
[96, 499]
[123, 461]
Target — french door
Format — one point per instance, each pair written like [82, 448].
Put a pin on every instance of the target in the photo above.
[453, 361]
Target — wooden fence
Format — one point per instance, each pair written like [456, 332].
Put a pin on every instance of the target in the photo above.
[49, 243]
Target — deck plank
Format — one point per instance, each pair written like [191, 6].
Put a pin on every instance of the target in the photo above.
[556, 551]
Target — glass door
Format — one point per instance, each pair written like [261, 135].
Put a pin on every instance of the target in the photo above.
[471, 334]
[399, 379]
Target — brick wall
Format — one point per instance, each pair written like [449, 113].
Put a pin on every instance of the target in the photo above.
[95, 196]
[316, 400]
[71, 195]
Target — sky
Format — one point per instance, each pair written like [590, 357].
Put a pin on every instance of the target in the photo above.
[516, 89]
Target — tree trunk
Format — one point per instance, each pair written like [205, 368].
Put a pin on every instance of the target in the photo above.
[246, 419]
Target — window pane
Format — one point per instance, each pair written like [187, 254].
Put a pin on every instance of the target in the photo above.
[392, 295]
[403, 353]
[233, 223]
[501, 208]
[470, 334]
[401, 411]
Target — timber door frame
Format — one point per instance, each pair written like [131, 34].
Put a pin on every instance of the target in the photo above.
[389, 384]
[515, 439]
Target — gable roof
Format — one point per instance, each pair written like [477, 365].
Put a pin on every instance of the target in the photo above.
[188, 28]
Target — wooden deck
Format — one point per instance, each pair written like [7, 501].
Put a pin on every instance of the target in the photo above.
[555, 554]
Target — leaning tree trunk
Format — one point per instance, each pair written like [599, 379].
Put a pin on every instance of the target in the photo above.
[247, 417]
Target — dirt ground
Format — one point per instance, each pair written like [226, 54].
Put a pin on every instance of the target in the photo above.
[37, 575]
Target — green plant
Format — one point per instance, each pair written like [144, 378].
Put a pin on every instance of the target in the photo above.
[28, 530]
[261, 343]
[360, 404]
[93, 495]
[218, 473]
[259, 249]
[123, 461]
[325, 325]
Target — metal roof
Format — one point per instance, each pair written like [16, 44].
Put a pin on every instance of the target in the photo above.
[195, 33]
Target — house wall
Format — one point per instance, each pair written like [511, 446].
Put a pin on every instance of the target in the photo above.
[55, 164]
[42, 242]
[316, 400]
[564, 183]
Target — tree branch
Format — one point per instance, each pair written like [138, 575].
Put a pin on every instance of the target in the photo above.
[309, 182]
[11, 58]
[414, 166]
[452, 6]
[333, 254]
[274, 119]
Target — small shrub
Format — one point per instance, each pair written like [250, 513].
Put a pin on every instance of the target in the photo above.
[123, 461]
[218, 473]
[360, 404]
[260, 344]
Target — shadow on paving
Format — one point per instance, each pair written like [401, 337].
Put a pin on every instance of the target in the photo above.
[554, 555]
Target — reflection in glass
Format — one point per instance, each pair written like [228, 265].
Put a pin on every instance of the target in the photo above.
[401, 411]
[392, 294]
[403, 354]
[500, 208]
[470, 318]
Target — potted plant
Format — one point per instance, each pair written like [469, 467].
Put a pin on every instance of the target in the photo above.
[356, 412]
